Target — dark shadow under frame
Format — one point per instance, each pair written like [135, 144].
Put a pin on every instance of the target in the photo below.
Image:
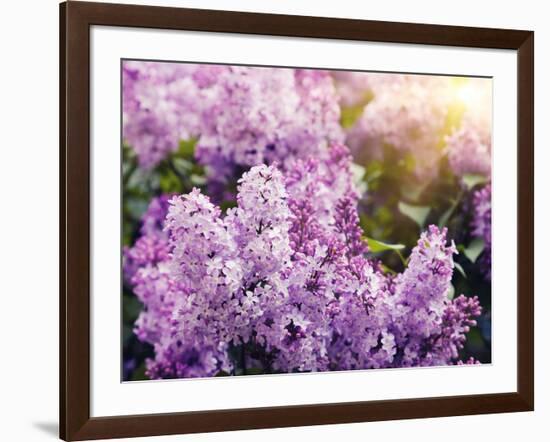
[75, 21]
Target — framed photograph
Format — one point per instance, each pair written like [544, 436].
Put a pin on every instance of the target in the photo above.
[272, 221]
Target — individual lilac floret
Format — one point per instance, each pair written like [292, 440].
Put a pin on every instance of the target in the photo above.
[481, 226]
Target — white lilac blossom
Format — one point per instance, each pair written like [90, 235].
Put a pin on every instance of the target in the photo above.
[240, 116]
[273, 285]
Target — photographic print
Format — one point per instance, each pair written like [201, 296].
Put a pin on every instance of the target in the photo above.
[292, 220]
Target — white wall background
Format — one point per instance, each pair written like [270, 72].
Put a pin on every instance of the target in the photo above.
[29, 219]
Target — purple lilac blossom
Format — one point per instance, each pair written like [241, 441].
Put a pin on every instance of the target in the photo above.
[241, 116]
[298, 288]
[429, 328]
[481, 226]
[147, 270]
[162, 104]
[264, 115]
[322, 182]
[470, 361]
[151, 247]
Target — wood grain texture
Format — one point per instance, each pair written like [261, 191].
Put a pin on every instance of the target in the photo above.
[75, 21]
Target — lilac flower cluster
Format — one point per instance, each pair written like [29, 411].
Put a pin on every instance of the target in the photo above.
[469, 146]
[241, 116]
[162, 104]
[469, 151]
[481, 225]
[355, 87]
[414, 115]
[284, 278]
[407, 112]
[151, 247]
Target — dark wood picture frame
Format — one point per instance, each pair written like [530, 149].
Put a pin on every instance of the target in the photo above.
[75, 21]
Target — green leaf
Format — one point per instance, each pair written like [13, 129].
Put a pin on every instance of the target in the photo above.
[358, 176]
[137, 179]
[409, 162]
[227, 204]
[417, 213]
[451, 292]
[374, 175]
[127, 332]
[170, 182]
[474, 249]
[373, 170]
[376, 246]
[221, 373]
[139, 373]
[198, 180]
[460, 270]
[182, 166]
[254, 371]
[413, 192]
[350, 114]
[186, 148]
[445, 217]
[387, 269]
[136, 207]
[131, 308]
[474, 340]
[471, 180]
